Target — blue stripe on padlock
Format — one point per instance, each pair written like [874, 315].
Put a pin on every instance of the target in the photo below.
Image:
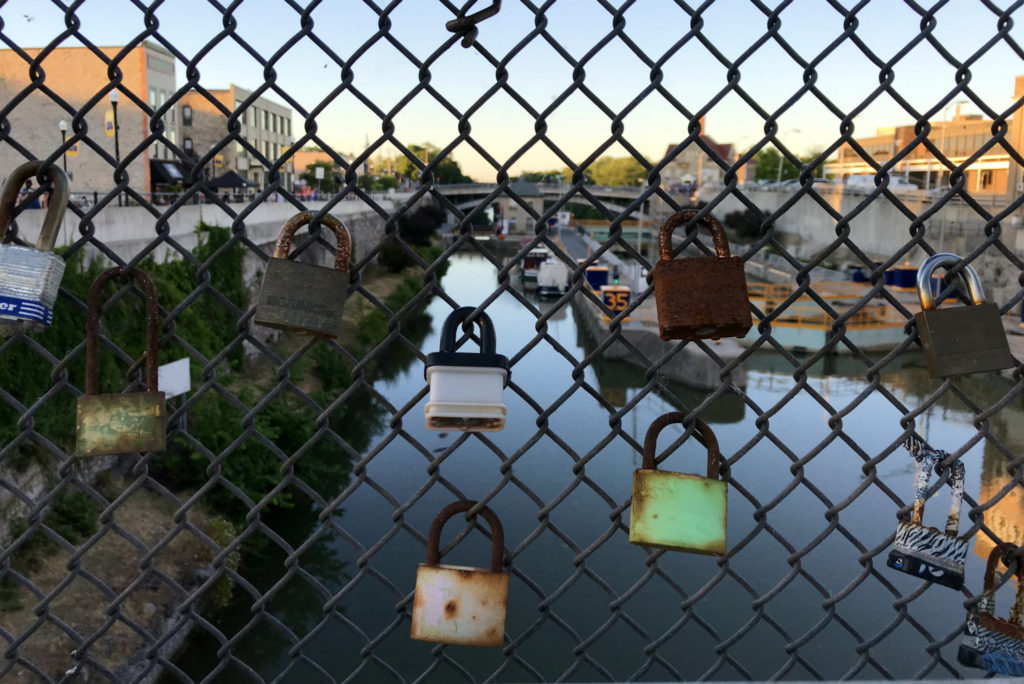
[25, 308]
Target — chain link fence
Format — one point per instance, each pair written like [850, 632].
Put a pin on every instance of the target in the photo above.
[276, 538]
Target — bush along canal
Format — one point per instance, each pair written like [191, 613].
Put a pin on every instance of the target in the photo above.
[339, 560]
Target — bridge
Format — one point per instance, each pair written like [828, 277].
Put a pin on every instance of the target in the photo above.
[468, 195]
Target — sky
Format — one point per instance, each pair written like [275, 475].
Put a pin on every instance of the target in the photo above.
[614, 74]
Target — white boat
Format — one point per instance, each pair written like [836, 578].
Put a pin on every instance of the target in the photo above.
[552, 278]
[530, 265]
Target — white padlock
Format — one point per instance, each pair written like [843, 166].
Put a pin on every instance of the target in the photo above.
[456, 604]
[466, 388]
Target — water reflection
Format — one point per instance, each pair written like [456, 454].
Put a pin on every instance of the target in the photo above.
[809, 521]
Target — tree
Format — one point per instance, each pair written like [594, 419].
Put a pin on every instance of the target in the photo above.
[446, 172]
[618, 171]
[329, 183]
[768, 165]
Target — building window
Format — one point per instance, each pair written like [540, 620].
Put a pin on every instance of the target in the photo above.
[288, 125]
[266, 120]
[266, 148]
[986, 178]
[187, 145]
[186, 115]
[152, 98]
[239, 150]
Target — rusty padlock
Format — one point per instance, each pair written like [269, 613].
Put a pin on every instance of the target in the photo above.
[699, 297]
[926, 552]
[305, 298]
[30, 276]
[675, 510]
[992, 643]
[455, 604]
[120, 423]
[963, 339]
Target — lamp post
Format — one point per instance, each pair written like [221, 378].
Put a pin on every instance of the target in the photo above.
[63, 126]
[778, 175]
[117, 139]
[942, 145]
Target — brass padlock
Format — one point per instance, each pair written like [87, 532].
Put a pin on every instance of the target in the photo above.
[455, 604]
[926, 552]
[699, 297]
[305, 298]
[992, 643]
[120, 423]
[964, 339]
[30, 276]
[675, 510]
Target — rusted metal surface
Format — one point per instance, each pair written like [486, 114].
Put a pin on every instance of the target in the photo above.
[461, 605]
[699, 297]
[120, 423]
[675, 510]
[54, 209]
[305, 298]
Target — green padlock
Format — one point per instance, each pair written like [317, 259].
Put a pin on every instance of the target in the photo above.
[675, 510]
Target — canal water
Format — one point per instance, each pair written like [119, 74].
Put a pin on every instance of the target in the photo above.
[584, 604]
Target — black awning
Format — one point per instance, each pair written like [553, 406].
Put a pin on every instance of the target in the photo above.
[165, 172]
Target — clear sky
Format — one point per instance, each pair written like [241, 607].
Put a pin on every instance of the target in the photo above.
[693, 76]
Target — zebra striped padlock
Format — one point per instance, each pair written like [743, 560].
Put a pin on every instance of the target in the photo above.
[992, 643]
[926, 552]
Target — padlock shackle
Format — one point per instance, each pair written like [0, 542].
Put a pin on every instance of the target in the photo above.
[927, 459]
[456, 318]
[284, 240]
[684, 216]
[54, 209]
[990, 580]
[945, 260]
[92, 330]
[497, 533]
[701, 430]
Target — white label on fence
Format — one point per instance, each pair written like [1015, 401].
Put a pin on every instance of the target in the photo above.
[174, 378]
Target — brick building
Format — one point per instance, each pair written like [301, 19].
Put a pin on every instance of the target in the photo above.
[266, 131]
[78, 75]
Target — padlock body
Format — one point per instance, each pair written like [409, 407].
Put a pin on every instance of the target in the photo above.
[963, 339]
[991, 643]
[678, 511]
[459, 605]
[302, 298]
[29, 282]
[466, 398]
[120, 423]
[701, 298]
[929, 553]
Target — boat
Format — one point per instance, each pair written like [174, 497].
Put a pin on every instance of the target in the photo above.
[552, 279]
[529, 267]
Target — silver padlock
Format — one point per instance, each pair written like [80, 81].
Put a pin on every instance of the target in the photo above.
[30, 276]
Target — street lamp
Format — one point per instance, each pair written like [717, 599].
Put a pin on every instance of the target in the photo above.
[63, 126]
[778, 176]
[942, 144]
[117, 140]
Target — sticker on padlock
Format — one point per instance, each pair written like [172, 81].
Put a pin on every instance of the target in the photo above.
[699, 298]
[926, 552]
[675, 510]
[991, 643]
[466, 388]
[30, 276]
[455, 604]
[305, 298]
[963, 339]
[120, 423]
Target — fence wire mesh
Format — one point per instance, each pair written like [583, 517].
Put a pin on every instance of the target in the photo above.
[276, 538]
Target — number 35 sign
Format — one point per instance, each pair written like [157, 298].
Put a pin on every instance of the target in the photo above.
[616, 298]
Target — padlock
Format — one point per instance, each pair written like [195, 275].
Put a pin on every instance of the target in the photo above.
[30, 276]
[120, 423]
[675, 510]
[992, 643]
[466, 388]
[964, 339]
[455, 604]
[699, 297]
[926, 552]
[305, 298]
